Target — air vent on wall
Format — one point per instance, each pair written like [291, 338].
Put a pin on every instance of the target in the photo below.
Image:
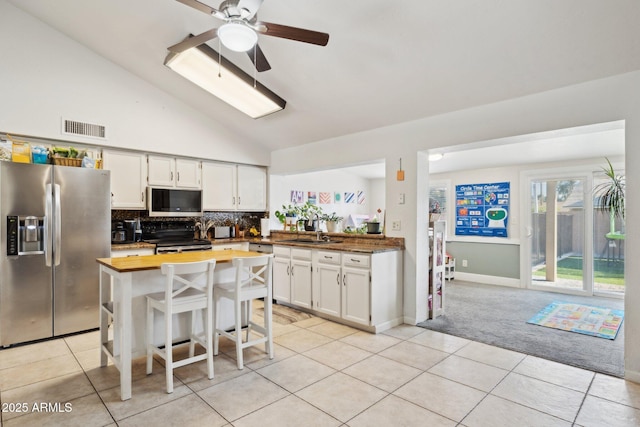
[72, 127]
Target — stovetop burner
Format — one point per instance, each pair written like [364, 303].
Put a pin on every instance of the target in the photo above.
[173, 236]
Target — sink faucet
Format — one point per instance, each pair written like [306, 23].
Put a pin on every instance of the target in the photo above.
[316, 218]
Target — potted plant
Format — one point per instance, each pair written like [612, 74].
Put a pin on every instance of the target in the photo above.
[610, 198]
[333, 221]
[373, 226]
[288, 216]
[310, 214]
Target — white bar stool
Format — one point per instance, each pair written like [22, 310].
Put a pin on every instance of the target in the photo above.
[184, 292]
[253, 280]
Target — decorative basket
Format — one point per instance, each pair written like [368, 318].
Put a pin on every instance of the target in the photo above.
[64, 161]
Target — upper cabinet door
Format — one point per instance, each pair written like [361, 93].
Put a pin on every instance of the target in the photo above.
[161, 171]
[218, 186]
[188, 173]
[252, 188]
[128, 178]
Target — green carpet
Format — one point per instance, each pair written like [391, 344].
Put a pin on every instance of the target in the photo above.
[498, 315]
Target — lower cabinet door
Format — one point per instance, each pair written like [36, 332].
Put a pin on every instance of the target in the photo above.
[355, 295]
[328, 288]
[301, 283]
[281, 279]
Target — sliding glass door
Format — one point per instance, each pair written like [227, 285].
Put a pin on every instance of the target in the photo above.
[557, 224]
[569, 245]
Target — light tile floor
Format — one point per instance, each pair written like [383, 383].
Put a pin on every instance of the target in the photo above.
[323, 374]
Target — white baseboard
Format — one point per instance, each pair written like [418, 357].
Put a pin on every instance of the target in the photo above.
[632, 376]
[410, 320]
[488, 280]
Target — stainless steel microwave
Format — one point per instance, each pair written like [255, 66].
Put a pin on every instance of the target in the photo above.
[174, 202]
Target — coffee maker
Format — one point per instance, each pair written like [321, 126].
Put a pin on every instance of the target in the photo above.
[123, 231]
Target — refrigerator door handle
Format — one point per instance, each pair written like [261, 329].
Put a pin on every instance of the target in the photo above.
[57, 226]
[48, 235]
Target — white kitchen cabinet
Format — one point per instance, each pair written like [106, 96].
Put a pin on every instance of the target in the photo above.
[282, 274]
[328, 288]
[174, 172]
[121, 253]
[233, 187]
[356, 284]
[359, 289]
[218, 186]
[252, 188]
[232, 246]
[342, 285]
[128, 178]
[301, 278]
[292, 276]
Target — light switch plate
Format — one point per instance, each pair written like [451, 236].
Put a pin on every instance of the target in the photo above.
[401, 199]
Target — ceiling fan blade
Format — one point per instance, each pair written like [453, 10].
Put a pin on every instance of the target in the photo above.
[202, 8]
[292, 33]
[251, 6]
[193, 41]
[260, 61]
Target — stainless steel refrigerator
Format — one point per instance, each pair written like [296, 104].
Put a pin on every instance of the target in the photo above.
[55, 222]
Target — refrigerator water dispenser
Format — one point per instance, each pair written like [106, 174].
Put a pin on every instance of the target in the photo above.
[30, 235]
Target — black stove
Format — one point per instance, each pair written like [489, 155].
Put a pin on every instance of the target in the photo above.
[173, 236]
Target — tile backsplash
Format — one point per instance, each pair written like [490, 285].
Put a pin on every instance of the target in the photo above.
[246, 220]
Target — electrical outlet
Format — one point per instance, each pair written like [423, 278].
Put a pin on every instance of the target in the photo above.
[395, 225]
[465, 263]
[401, 199]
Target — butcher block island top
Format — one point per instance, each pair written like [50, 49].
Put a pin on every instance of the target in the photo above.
[153, 262]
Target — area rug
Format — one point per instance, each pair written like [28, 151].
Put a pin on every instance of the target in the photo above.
[583, 319]
[497, 315]
[282, 315]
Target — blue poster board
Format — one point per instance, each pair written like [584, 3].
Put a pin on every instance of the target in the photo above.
[482, 209]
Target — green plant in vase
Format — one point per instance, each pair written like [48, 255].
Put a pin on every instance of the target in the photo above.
[288, 216]
[610, 198]
[333, 221]
[310, 214]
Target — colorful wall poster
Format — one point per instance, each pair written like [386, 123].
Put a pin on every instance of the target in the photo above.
[349, 197]
[482, 209]
[311, 197]
[361, 197]
[297, 196]
[325, 198]
[337, 197]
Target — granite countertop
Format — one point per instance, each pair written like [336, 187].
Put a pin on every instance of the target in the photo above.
[129, 246]
[361, 243]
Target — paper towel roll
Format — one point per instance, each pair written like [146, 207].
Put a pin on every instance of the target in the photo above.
[264, 227]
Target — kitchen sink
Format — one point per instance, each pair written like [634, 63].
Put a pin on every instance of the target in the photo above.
[311, 241]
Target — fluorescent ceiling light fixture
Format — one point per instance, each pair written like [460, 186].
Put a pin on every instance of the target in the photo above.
[237, 37]
[225, 80]
[435, 157]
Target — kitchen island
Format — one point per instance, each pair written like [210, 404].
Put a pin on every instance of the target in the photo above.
[122, 301]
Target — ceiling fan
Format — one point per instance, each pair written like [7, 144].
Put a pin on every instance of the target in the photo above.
[240, 30]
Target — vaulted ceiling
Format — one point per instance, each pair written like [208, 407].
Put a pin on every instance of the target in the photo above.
[386, 62]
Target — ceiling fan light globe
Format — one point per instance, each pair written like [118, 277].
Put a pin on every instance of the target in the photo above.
[237, 37]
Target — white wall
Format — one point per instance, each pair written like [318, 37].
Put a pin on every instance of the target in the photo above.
[44, 76]
[599, 101]
[327, 181]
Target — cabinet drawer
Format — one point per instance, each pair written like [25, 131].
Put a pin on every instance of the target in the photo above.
[327, 257]
[353, 260]
[281, 251]
[301, 254]
[230, 247]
